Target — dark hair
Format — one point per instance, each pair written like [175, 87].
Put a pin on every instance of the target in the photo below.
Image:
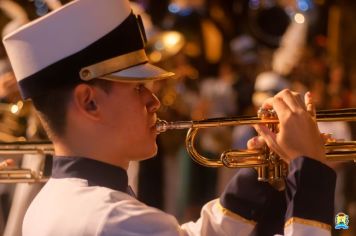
[52, 106]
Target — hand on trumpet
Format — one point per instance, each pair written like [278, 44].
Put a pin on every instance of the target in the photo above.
[6, 163]
[298, 132]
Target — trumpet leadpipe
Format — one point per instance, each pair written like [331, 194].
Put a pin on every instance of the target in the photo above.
[163, 125]
[264, 117]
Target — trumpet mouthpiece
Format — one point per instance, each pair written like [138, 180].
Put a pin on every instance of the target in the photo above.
[163, 126]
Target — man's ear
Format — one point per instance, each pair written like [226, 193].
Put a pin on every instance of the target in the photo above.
[85, 100]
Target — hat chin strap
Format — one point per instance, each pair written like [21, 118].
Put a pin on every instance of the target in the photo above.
[113, 65]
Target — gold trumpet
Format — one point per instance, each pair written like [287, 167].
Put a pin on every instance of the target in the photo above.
[270, 167]
[9, 174]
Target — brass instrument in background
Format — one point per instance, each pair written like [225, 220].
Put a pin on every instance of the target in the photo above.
[15, 128]
[270, 167]
[9, 174]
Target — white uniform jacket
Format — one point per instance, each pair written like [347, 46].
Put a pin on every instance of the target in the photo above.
[87, 197]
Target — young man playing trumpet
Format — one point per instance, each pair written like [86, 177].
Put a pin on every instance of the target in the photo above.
[87, 79]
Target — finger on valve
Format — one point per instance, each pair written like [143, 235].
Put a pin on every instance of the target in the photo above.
[255, 143]
[309, 103]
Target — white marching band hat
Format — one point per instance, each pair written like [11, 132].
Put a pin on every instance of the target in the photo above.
[83, 40]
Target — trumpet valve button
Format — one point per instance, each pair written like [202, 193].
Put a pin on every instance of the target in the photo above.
[264, 113]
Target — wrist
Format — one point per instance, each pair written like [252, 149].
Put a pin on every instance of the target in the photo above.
[316, 153]
[318, 157]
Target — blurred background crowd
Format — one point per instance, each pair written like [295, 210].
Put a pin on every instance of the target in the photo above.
[228, 56]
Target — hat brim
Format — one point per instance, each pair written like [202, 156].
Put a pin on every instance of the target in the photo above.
[140, 73]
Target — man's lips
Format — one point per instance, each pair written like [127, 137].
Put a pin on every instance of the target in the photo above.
[153, 123]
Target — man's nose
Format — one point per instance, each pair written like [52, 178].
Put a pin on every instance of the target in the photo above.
[154, 104]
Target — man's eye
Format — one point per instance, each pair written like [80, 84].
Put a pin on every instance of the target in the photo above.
[140, 87]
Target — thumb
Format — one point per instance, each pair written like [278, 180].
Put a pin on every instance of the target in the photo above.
[271, 140]
[266, 134]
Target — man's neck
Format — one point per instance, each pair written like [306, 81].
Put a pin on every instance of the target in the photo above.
[90, 151]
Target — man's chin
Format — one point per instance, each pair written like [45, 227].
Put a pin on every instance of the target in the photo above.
[150, 154]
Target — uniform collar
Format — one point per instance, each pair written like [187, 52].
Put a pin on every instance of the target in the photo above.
[95, 172]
